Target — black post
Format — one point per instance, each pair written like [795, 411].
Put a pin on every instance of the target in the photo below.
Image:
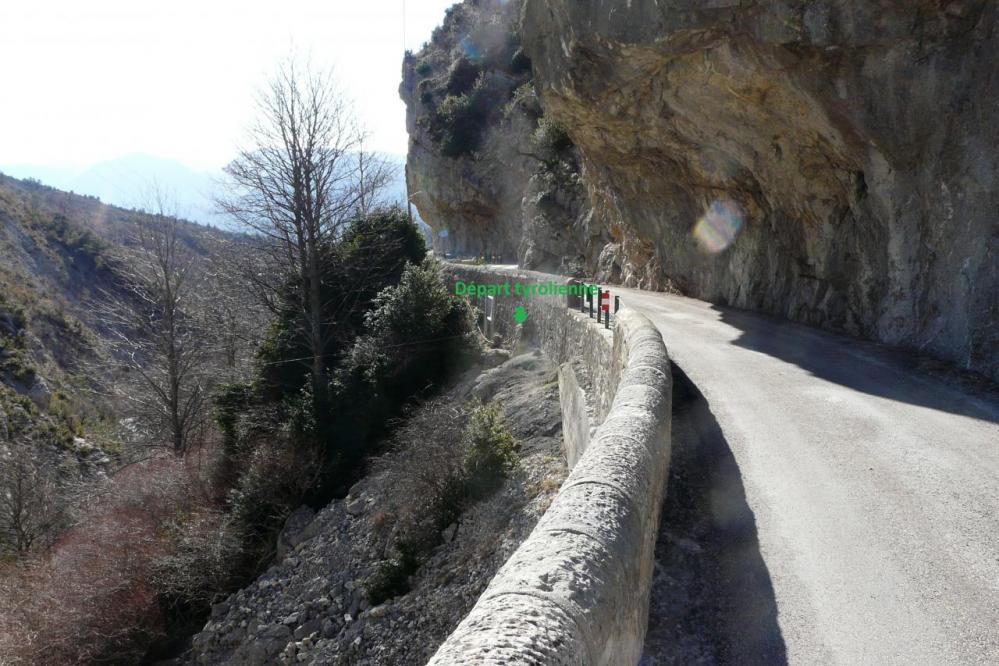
[589, 298]
[600, 303]
[571, 299]
[617, 304]
[582, 297]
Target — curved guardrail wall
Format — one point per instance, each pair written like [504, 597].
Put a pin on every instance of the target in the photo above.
[577, 590]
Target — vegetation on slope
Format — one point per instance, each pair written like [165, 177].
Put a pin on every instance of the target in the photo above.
[467, 73]
[471, 97]
[134, 329]
[447, 459]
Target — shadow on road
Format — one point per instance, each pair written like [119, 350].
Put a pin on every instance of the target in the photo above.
[866, 366]
[712, 599]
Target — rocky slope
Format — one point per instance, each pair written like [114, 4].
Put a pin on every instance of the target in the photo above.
[829, 161]
[57, 260]
[313, 606]
[53, 265]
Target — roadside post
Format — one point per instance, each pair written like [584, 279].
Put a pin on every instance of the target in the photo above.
[573, 299]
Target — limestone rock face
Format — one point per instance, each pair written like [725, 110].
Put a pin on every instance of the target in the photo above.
[474, 169]
[830, 161]
[850, 138]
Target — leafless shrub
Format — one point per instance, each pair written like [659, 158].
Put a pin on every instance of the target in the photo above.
[90, 597]
[32, 501]
[272, 485]
[96, 594]
[160, 338]
[442, 463]
[236, 317]
[199, 566]
[425, 469]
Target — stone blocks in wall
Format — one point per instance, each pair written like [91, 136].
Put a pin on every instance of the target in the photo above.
[575, 415]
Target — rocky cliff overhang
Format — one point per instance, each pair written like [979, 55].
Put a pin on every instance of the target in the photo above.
[829, 161]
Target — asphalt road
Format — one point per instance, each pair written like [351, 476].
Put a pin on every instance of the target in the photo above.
[830, 504]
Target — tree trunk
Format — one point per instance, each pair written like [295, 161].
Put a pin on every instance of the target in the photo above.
[316, 332]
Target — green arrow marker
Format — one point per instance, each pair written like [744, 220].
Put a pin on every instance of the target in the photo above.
[520, 314]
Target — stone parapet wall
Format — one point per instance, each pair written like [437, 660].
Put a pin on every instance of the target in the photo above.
[576, 591]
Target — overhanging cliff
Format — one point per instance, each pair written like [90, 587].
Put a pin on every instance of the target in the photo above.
[828, 161]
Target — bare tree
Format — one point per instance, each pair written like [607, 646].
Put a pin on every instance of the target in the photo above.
[158, 332]
[31, 501]
[236, 318]
[304, 176]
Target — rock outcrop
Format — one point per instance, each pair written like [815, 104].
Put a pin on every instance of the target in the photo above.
[831, 161]
[484, 167]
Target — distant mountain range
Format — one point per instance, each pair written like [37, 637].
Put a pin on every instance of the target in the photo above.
[126, 181]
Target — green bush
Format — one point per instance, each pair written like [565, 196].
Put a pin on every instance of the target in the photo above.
[275, 480]
[230, 401]
[459, 122]
[396, 332]
[302, 420]
[559, 168]
[21, 420]
[85, 249]
[14, 361]
[551, 138]
[491, 451]
[375, 251]
[370, 256]
[415, 308]
[13, 316]
[392, 576]
[460, 119]
[424, 68]
[417, 333]
[462, 77]
[525, 99]
[280, 369]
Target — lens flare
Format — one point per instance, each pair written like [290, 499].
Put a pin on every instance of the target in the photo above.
[471, 50]
[719, 226]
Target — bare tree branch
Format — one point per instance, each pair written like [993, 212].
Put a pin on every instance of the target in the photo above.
[159, 336]
[304, 177]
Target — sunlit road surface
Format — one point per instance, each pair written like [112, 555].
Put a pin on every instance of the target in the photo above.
[874, 487]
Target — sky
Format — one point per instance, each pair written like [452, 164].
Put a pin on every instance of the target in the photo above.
[85, 82]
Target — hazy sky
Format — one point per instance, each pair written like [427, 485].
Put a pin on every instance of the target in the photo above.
[88, 81]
